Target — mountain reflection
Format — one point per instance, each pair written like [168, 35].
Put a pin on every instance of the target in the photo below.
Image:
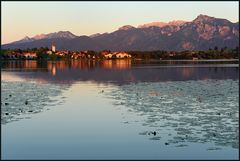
[117, 71]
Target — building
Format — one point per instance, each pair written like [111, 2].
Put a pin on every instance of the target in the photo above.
[30, 55]
[194, 58]
[53, 47]
[49, 52]
[108, 56]
[122, 55]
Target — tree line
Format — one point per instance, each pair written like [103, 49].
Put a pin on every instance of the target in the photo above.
[215, 53]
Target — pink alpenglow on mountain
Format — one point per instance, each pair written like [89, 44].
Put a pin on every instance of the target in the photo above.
[162, 24]
[126, 27]
[41, 36]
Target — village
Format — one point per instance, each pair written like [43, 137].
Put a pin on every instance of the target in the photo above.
[54, 54]
[22, 54]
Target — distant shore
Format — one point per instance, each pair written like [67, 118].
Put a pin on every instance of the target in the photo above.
[133, 59]
[215, 54]
[199, 60]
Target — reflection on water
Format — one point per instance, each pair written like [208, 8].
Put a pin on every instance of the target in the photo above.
[117, 71]
[190, 111]
[74, 64]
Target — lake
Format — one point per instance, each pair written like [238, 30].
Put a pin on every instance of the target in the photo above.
[120, 109]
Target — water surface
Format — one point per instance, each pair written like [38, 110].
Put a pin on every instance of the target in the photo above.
[120, 110]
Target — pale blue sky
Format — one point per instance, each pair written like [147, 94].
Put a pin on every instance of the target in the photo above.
[20, 19]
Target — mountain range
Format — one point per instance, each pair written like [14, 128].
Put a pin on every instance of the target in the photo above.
[202, 33]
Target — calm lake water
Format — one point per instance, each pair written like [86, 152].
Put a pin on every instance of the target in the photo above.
[120, 110]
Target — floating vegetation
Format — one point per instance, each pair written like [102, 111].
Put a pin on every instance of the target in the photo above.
[155, 138]
[144, 133]
[181, 145]
[25, 98]
[200, 111]
[214, 148]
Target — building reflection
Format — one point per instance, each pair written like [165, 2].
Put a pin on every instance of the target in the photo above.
[54, 70]
[20, 64]
[54, 66]
[116, 64]
[51, 68]
[118, 71]
[187, 72]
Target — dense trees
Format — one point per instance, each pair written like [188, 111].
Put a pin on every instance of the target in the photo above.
[223, 53]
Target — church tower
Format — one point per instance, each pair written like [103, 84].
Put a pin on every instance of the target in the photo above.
[53, 48]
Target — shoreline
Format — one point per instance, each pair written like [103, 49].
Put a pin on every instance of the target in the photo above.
[145, 60]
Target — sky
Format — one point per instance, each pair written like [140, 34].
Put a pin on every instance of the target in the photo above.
[20, 19]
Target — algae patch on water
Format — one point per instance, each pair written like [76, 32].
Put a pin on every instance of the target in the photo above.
[203, 111]
[20, 99]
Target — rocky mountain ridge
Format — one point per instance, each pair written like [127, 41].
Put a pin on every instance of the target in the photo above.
[202, 33]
